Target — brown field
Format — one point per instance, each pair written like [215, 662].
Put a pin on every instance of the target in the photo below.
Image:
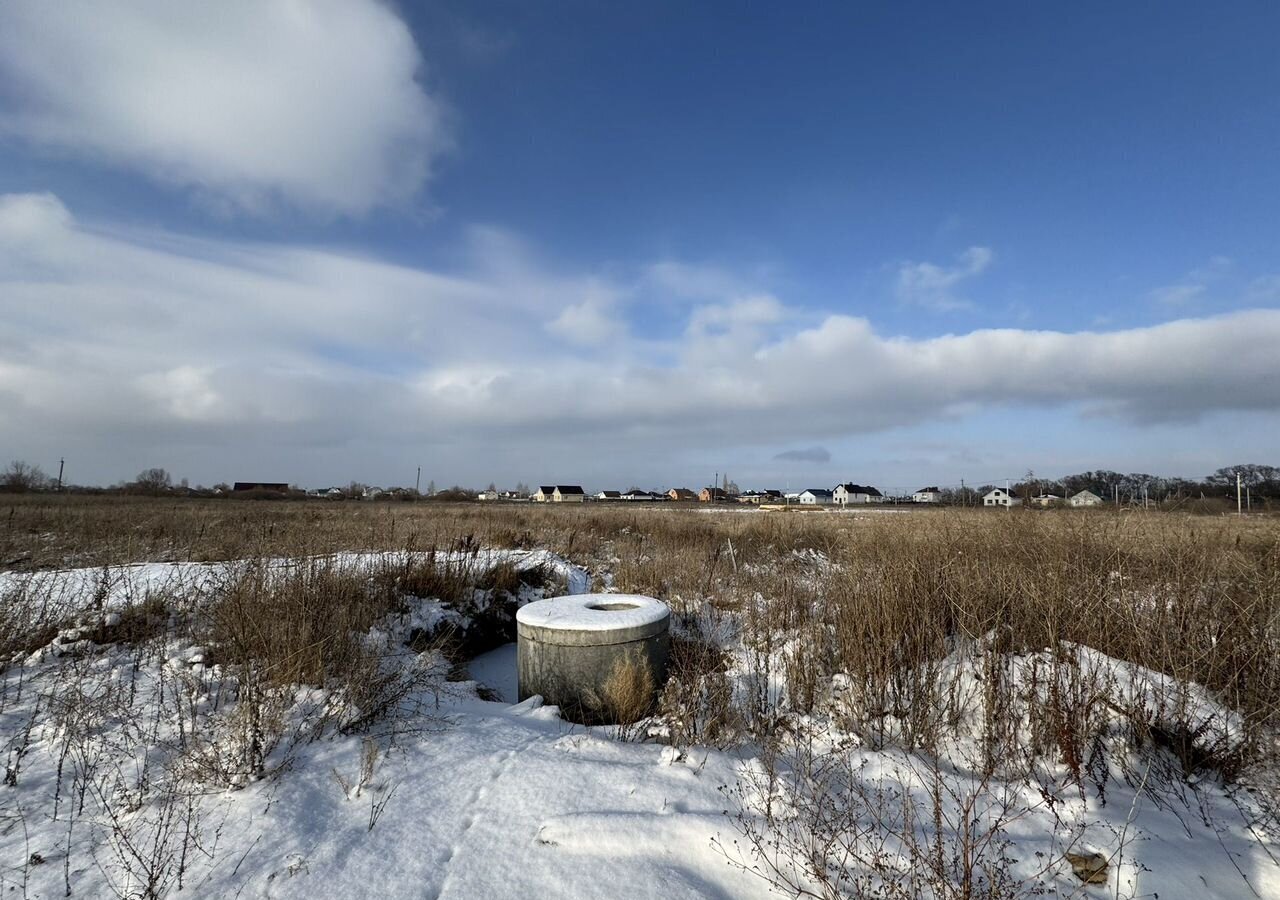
[1197, 597]
[1059, 650]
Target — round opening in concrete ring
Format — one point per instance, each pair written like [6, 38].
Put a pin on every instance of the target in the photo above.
[601, 658]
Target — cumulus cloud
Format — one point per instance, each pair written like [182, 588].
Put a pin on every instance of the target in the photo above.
[934, 287]
[314, 103]
[120, 342]
[592, 322]
[807, 454]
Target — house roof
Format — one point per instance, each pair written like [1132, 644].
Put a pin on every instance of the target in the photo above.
[569, 489]
[929, 490]
[547, 488]
[859, 489]
[817, 492]
[611, 493]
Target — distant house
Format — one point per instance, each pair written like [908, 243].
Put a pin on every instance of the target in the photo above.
[488, 495]
[845, 494]
[681, 494]
[558, 493]
[609, 495]
[642, 496]
[927, 495]
[1046, 500]
[275, 487]
[758, 497]
[1000, 497]
[1085, 498]
[816, 497]
[712, 495]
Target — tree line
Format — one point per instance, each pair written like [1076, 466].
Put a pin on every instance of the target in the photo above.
[1262, 482]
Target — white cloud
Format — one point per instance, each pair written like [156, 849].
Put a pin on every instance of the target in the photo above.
[933, 287]
[1194, 286]
[1265, 289]
[116, 346]
[313, 103]
[687, 281]
[737, 319]
[590, 323]
[1178, 294]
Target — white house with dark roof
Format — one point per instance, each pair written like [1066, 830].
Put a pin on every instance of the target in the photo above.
[1000, 497]
[558, 493]
[815, 497]
[642, 496]
[609, 495]
[850, 493]
[927, 495]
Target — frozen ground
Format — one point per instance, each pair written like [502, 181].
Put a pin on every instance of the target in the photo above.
[496, 670]
[491, 799]
[507, 802]
[60, 594]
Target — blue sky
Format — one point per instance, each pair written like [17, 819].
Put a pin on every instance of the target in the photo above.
[577, 242]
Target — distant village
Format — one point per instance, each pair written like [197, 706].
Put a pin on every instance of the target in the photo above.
[1244, 487]
[846, 494]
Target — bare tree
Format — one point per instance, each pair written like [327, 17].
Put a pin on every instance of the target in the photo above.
[154, 480]
[22, 476]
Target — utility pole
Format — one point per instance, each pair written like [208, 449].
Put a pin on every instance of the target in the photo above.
[61, 463]
[1239, 505]
[417, 482]
[964, 498]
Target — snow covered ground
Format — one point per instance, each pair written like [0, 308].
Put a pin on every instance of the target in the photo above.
[506, 802]
[478, 799]
[493, 800]
[65, 592]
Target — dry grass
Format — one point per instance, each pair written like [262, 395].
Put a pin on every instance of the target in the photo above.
[629, 691]
[874, 595]
[854, 620]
